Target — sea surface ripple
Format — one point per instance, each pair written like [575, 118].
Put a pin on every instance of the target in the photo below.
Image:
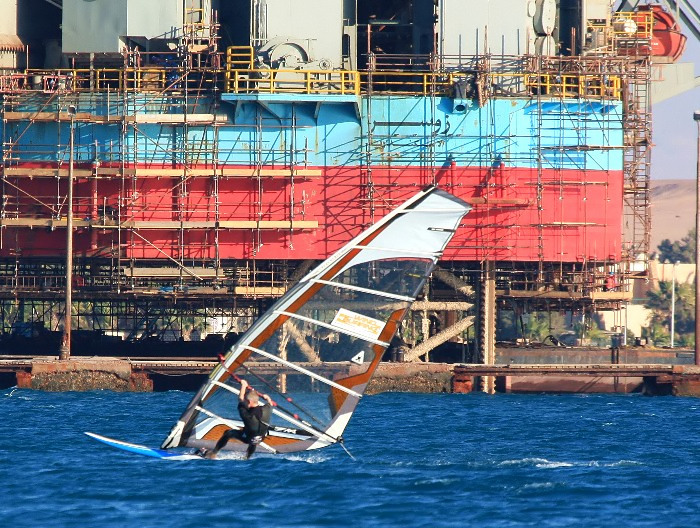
[421, 460]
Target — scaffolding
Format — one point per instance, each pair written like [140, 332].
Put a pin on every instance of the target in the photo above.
[602, 80]
[182, 92]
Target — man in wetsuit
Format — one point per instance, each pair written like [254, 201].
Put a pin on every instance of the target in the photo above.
[255, 416]
[256, 421]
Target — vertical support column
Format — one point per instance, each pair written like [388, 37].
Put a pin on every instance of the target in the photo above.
[64, 350]
[696, 116]
[425, 321]
[217, 208]
[487, 323]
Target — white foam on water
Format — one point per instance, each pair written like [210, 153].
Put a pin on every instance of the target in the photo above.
[552, 465]
[230, 455]
[309, 458]
[315, 458]
[537, 485]
[523, 462]
[541, 463]
[624, 463]
[432, 481]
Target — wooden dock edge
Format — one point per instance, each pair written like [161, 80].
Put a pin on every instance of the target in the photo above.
[146, 375]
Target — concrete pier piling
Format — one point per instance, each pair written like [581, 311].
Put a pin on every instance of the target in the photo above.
[145, 375]
[83, 375]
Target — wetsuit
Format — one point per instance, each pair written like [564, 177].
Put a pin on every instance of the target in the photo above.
[256, 422]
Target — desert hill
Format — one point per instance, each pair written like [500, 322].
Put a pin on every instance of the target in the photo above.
[672, 209]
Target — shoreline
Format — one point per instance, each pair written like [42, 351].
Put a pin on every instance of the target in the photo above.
[654, 372]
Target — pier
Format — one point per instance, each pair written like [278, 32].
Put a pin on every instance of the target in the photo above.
[650, 379]
[149, 374]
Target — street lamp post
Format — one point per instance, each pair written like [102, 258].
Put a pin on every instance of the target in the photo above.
[696, 116]
[64, 352]
[673, 302]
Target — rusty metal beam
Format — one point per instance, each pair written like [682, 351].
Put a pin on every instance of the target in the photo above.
[453, 281]
[439, 338]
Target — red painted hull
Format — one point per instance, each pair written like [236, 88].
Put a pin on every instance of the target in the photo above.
[576, 218]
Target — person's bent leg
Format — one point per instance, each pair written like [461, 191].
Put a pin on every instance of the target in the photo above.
[223, 440]
[252, 446]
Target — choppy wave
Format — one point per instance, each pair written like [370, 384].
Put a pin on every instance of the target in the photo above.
[421, 460]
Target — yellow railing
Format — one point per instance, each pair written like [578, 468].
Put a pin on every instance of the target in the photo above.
[515, 83]
[144, 79]
[293, 81]
[108, 79]
[407, 82]
[574, 85]
[627, 29]
[643, 20]
[239, 58]
[249, 81]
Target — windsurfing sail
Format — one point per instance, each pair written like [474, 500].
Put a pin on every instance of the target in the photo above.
[322, 341]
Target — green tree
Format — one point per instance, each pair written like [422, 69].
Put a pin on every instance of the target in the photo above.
[659, 302]
[682, 250]
[538, 327]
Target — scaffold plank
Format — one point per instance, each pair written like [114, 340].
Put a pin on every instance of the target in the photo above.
[554, 294]
[168, 272]
[53, 172]
[61, 116]
[263, 291]
[163, 224]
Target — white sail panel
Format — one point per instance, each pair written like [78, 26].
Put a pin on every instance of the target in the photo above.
[315, 349]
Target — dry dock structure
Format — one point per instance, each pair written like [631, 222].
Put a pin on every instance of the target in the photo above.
[169, 168]
[172, 166]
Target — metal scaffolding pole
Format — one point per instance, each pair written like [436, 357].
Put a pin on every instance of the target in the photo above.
[696, 116]
[64, 352]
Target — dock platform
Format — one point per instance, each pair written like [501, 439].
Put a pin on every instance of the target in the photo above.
[155, 373]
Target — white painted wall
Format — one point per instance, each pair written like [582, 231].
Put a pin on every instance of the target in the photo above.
[471, 27]
[320, 21]
[8, 17]
[97, 25]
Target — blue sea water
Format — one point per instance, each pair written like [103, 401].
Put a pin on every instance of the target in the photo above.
[421, 460]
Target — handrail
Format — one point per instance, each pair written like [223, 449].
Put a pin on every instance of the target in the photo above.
[521, 80]
[644, 21]
[628, 29]
[568, 85]
[239, 57]
[338, 82]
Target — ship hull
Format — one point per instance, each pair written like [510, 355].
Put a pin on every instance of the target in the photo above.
[281, 177]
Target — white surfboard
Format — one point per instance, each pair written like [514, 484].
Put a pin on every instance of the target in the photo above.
[163, 454]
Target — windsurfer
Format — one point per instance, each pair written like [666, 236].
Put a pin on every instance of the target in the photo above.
[256, 421]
